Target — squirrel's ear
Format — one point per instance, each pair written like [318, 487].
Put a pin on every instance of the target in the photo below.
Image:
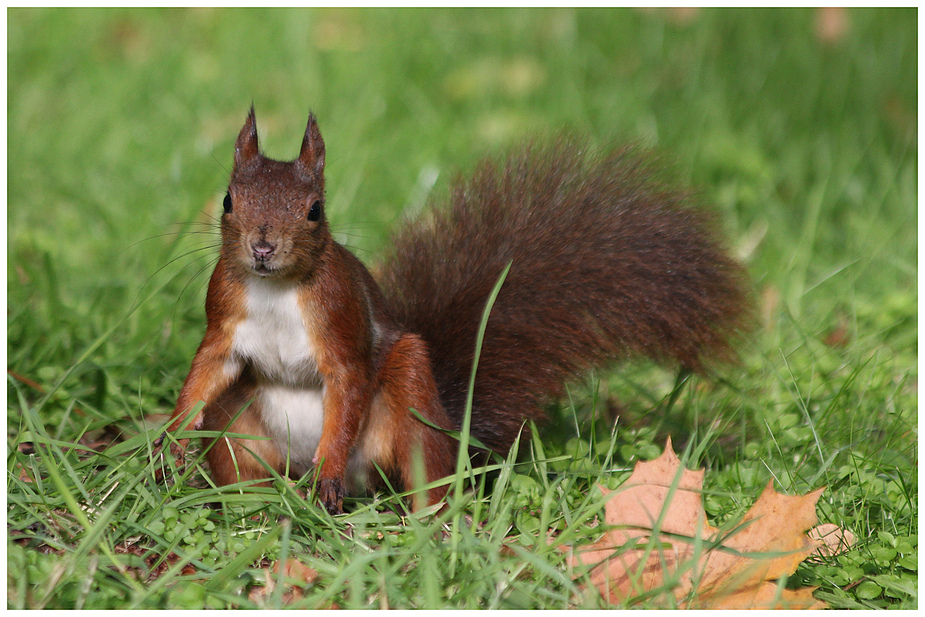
[312, 155]
[246, 148]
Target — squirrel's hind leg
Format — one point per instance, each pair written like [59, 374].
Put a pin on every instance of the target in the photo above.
[396, 439]
[232, 459]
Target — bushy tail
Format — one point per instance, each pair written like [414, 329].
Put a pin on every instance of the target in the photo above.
[607, 264]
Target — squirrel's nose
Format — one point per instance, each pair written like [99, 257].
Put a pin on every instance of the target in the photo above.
[262, 250]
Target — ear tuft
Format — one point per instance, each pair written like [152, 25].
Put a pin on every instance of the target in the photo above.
[311, 157]
[246, 148]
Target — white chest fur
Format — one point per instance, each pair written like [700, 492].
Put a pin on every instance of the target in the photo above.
[274, 339]
[274, 335]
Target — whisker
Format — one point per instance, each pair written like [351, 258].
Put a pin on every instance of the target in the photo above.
[173, 260]
[209, 265]
[168, 234]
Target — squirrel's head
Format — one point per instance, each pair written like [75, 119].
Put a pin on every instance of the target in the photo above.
[273, 223]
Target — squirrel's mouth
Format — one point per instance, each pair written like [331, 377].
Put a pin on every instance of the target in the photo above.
[271, 268]
[263, 268]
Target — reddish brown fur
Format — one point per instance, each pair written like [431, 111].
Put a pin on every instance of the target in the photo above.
[407, 383]
[206, 378]
[606, 264]
[344, 340]
[230, 460]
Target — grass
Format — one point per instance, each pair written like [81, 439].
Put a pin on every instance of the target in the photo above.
[121, 126]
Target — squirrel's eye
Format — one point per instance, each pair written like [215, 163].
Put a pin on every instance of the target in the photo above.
[314, 213]
[226, 204]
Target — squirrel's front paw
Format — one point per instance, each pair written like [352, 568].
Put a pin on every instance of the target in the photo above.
[330, 493]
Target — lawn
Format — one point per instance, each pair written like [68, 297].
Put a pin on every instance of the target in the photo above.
[799, 129]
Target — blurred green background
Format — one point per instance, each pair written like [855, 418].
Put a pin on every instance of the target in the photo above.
[797, 126]
[801, 132]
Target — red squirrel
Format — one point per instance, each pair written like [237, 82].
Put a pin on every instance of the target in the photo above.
[327, 361]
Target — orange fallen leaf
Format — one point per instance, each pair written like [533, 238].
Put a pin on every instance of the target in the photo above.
[296, 574]
[25, 475]
[834, 540]
[659, 541]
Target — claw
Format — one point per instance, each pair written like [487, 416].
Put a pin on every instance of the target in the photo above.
[160, 440]
[331, 495]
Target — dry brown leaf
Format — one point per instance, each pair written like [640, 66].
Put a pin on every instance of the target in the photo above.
[297, 570]
[701, 566]
[834, 540]
[296, 574]
[840, 335]
[25, 475]
[832, 24]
